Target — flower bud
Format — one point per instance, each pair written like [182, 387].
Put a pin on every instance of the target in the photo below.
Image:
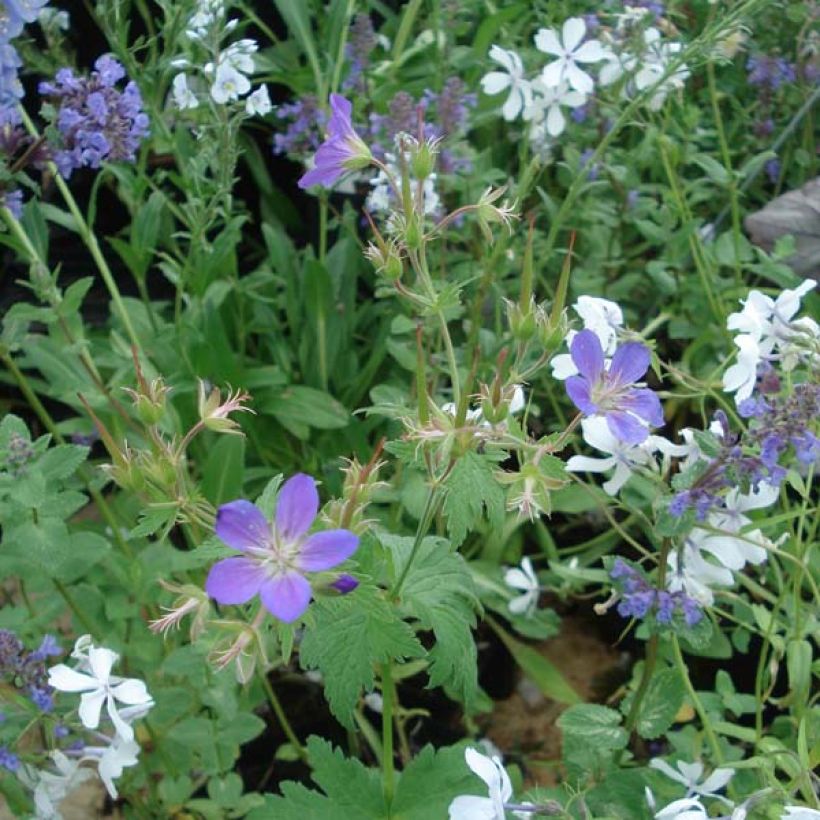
[423, 158]
[522, 322]
[551, 334]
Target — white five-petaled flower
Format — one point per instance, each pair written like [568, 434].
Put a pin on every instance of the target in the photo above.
[184, 98]
[51, 788]
[512, 78]
[570, 50]
[688, 808]
[768, 330]
[545, 112]
[623, 457]
[229, 84]
[689, 775]
[99, 687]
[604, 318]
[258, 103]
[655, 63]
[491, 771]
[112, 759]
[524, 579]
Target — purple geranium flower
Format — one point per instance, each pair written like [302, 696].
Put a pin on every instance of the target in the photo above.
[276, 558]
[611, 392]
[343, 149]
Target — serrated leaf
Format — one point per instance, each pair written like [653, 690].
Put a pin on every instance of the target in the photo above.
[346, 637]
[660, 704]
[439, 591]
[61, 461]
[599, 725]
[350, 791]
[471, 489]
[430, 783]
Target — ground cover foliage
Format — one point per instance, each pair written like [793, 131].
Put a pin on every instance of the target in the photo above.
[346, 345]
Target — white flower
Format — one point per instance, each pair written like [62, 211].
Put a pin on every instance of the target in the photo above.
[689, 808]
[112, 759]
[381, 198]
[623, 458]
[520, 96]
[691, 573]
[604, 318]
[49, 788]
[239, 57]
[101, 687]
[184, 98]
[799, 813]
[768, 331]
[546, 107]
[688, 774]
[229, 84]
[732, 549]
[258, 103]
[741, 377]
[374, 701]
[526, 580]
[654, 64]
[569, 51]
[206, 14]
[491, 771]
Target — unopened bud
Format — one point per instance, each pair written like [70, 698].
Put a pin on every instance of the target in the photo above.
[423, 158]
[522, 322]
[551, 334]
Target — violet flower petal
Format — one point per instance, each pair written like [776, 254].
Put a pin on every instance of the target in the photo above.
[587, 355]
[234, 580]
[241, 525]
[626, 427]
[578, 390]
[645, 403]
[341, 123]
[325, 550]
[629, 363]
[286, 597]
[297, 506]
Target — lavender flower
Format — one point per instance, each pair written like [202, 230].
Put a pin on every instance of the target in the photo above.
[9, 760]
[640, 599]
[769, 73]
[11, 89]
[612, 392]
[361, 43]
[303, 133]
[275, 559]
[26, 671]
[96, 121]
[343, 150]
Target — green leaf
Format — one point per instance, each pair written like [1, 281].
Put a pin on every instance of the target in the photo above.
[345, 637]
[222, 474]
[591, 733]
[600, 725]
[439, 591]
[61, 461]
[544, 674]
[351, 791]
[471, 489]
[660, 705]
[301, 405]
[430, 783]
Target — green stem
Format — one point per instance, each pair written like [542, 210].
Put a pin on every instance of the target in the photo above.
[727, 164]
[711, 737]
[424, 524]
[89, 238]
[72, 605]
[388, 695]
[276, 705]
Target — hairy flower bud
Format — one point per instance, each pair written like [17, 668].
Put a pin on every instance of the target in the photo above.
[522, 322]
